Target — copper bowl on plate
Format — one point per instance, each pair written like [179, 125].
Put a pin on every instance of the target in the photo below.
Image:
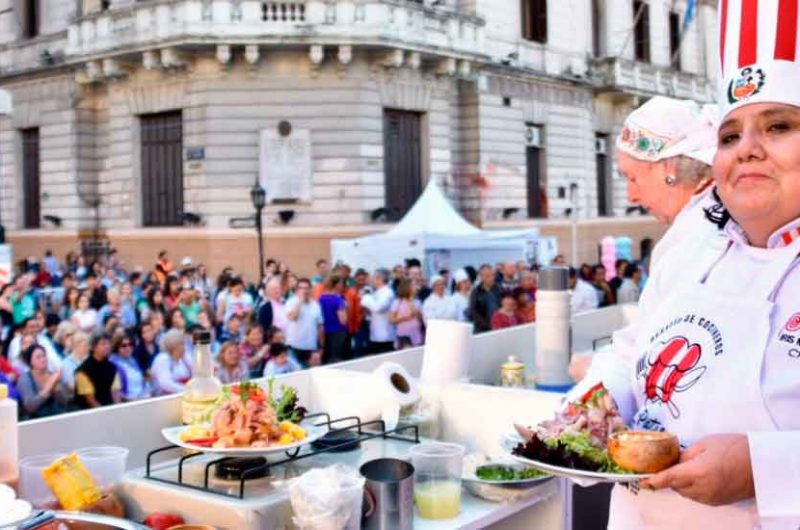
[644, 451]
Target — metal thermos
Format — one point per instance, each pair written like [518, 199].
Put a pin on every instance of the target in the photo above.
[553, 330]
[389, 494]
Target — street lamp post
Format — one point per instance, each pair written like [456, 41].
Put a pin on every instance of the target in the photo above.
[258, 196]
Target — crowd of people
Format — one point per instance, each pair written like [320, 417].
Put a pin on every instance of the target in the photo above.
[80, 336]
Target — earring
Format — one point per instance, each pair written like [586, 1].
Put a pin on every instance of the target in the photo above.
[670, 180]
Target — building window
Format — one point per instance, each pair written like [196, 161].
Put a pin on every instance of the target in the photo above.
[31, 184]
[534, 20]
[597, 28]
[641, 31]
[675, 40]
[604, 185]
[162, 169]
[29, 18]
[535, 163]
[402, 160]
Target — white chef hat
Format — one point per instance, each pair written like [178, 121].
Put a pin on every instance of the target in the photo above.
[759, 55]
[460, 275]
[665, 127]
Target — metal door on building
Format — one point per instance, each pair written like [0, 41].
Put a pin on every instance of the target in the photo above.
[162, 169]
[533, 162]
[402, 146]
[31, 183]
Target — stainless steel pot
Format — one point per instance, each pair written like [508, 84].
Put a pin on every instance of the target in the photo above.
[389, 494]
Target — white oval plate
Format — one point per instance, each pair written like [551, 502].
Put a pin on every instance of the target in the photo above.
[313, 432]
[473, 462]
[578, 475]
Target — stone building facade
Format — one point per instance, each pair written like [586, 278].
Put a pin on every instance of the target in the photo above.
[151, 120]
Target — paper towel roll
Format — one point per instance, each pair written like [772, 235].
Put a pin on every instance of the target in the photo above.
[448, 349]
[396, 384]
[395, 389]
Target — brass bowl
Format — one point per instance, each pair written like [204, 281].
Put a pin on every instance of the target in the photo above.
[644, 451]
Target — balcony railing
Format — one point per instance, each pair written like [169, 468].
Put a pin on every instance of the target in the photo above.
[398, 22]
[614, 73]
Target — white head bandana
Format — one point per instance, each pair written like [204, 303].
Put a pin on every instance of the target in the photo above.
[664, 127]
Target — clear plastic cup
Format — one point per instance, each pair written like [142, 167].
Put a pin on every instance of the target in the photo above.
[106, 464]
[32, 486]
[437, 479]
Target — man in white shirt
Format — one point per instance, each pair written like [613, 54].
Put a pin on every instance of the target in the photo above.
[438, 306]
[584, 296]
[378, 303]
[305, 334]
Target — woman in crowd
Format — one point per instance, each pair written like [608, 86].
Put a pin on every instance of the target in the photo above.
[406, 314]
[254, 350]
[85, 317]
[230, 366]
[41, 391]
[75, 356]
[235, 302]
[97, 382]
[62, 339]
[189, 306]
[334, 320]
[70, 303]
[154, 303]
[172, 368]
[172, 292]
[526, 307]
[132, 378]
[146, 348]
[506, 315]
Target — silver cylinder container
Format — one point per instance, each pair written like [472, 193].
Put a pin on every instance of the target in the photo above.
[389, 494]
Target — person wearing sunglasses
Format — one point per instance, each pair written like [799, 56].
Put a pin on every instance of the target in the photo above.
[134, 384]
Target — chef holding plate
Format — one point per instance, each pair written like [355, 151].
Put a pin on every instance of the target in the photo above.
[719, 337]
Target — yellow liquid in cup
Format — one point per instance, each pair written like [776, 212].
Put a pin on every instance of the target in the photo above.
[439, 499]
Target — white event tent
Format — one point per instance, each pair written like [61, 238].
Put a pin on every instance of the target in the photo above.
[435, 233]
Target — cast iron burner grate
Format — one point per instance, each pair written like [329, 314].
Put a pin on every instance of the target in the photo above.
[340, 439]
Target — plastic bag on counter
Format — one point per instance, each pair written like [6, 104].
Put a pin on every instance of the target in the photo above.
[327, 498]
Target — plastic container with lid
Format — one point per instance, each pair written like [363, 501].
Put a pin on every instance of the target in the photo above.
[9, 450]
[32, 486]
[106, 464]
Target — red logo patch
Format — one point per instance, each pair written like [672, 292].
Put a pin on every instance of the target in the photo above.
[672, 369]
[793, 324]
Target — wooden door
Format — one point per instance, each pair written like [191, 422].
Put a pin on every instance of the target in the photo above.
[162, 169]
[402, 160]
[31, 183]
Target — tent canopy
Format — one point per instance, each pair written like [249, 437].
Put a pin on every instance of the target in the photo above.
[438, 236]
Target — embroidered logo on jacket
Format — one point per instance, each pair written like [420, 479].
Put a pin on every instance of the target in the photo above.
[672, 368]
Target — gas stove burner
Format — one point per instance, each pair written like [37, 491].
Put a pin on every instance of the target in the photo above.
[234, 468]
[344, 441]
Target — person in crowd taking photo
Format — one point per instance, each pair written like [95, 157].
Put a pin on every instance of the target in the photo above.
[378, 304]
[305, 333]
[334, 318]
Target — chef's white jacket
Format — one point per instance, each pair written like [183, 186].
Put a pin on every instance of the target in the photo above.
[774, 455]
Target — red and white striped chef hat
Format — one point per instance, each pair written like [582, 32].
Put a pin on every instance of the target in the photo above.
[759, 54]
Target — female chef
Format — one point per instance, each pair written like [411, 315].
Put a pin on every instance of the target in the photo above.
[719, 360]
[665, 152]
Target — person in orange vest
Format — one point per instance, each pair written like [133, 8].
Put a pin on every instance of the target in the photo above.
[163, 267]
